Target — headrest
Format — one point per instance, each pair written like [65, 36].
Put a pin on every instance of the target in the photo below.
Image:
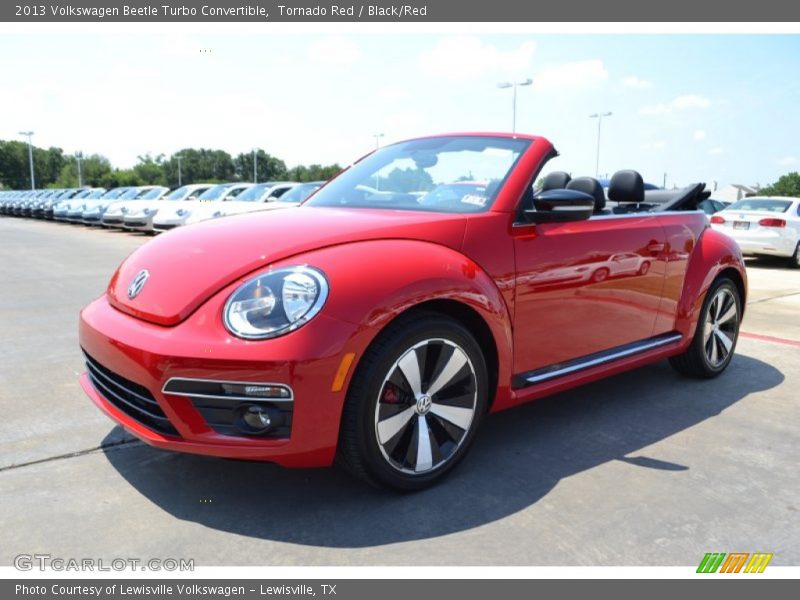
[557, 180]
[626, 186]
[591, 186]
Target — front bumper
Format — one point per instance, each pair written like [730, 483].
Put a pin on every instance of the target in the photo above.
[200, 348]
[165, 224]
[139, 223]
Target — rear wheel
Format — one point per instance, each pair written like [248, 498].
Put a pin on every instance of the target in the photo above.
[794, 260]
[414, 404]
[714, 341]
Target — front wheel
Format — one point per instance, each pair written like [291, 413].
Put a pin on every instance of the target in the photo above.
[714, 341]
[414, 404]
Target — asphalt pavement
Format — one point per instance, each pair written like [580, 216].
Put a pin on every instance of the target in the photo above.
[644, 468]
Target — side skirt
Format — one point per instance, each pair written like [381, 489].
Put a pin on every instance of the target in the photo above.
[537, 376]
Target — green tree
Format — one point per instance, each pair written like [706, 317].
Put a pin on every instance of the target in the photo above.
[199, 165]
[269, 167]
[151, 170]
[95, 171]
[314, 172]
[788, 185]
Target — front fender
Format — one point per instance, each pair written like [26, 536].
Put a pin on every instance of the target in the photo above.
[714, 253]
[372, 282]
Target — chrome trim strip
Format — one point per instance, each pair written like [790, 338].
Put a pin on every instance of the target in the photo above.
[600, 360]
[225, 396]
[99, 384]
[95, 372]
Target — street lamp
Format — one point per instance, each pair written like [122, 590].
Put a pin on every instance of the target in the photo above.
[179, 158]
[30, 155]
[599, 117]
[514, 85]
[78, 157]
[377, 137]
[255, 165]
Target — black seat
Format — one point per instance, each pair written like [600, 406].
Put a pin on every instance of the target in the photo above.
[557, 180]
[589, 185]
[626, 188]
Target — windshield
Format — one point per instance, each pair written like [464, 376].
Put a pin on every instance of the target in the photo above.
[179, 194]
[214, 193]
[115, 193]
[131, 194]
[153, 194]
[96, 194]
[300, 192]
[762, 204]
[408, 175]
[255, 193]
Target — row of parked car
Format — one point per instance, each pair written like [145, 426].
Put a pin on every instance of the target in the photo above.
[154, 208]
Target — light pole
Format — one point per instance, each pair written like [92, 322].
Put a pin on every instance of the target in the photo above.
[178, 157]
[30, 155]
[599, 117]
[78, 157]
[514, 85]
[377, 137]
[255, 165]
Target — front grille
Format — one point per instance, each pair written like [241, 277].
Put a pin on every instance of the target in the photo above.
[135, 223]
[165, 227]
[134, 400]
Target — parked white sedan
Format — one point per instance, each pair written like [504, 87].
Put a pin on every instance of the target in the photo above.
[768, 226]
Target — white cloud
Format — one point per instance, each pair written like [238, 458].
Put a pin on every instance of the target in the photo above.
[690, 101]
[462, 58]
[699, 135]
[680, 103]
[571, 75]
[634, 82]
[656, 145]
[716, 150]
[334, 52]
[391, 93]
[787, 160]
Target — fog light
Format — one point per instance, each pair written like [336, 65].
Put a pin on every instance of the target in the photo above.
[257, 417]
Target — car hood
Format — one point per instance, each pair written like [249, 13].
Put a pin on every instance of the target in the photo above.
[140, 205]
[187, 266]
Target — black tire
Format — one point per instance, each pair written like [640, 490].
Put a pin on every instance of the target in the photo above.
[380, 392]
[709, 354]
[794, 260]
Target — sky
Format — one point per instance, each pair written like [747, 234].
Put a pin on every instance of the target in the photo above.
[716, 108]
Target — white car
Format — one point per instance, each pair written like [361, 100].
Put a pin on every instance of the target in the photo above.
[171, 217]
[768, 226]
[93, 211]
[138, 215]
[256, 198]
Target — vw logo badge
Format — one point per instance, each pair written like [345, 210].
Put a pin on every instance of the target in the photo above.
[138, 283]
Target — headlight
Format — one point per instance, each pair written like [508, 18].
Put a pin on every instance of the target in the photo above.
[275, 303]
[182, 212]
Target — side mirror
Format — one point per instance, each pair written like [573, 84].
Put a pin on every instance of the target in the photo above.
[560, 206]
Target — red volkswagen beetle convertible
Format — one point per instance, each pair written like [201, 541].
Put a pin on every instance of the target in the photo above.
[427, 285]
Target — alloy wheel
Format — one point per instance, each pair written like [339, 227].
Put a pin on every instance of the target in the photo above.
[426, 406]
[720, 328]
